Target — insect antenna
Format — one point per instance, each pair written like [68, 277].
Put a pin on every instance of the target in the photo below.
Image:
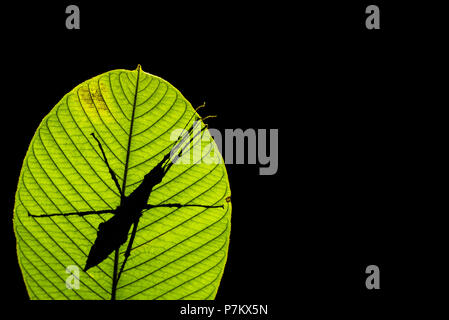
[182, 136]
[105, 159]
[174, 156]
[170, 158]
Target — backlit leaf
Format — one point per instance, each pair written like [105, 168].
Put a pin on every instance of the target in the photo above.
[178, 253]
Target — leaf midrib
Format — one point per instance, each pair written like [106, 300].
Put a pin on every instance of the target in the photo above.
[122, 196]
[128, 151]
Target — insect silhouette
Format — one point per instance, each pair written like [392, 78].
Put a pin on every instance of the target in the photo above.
[113, 233]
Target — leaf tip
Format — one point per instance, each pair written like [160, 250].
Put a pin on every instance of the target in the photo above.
[139, 68]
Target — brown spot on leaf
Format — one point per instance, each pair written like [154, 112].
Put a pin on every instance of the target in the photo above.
[98, 100]
[85, 97]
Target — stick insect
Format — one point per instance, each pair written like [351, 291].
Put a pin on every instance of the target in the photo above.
[113, 233]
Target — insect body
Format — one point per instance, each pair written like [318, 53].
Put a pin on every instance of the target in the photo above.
[113, 233]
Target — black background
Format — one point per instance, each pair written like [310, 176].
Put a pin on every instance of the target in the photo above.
[348, 103]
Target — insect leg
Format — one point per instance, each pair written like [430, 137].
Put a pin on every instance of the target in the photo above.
[128, 248]
[80, 213]
[179, 205]
[111, 172]
[134, 231]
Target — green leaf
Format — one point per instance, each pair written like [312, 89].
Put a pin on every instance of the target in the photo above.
[178, 253]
